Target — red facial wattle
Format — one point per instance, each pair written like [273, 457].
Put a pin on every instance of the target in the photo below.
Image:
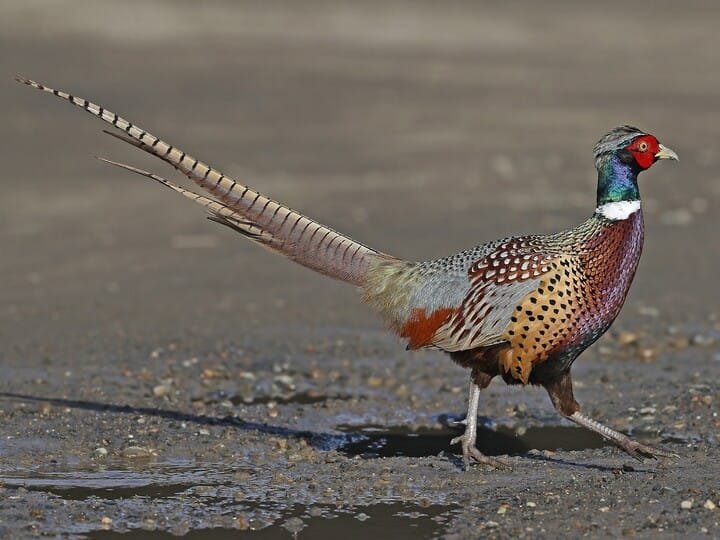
[643, 150]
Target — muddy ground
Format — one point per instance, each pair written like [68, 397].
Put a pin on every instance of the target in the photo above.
[161, 376]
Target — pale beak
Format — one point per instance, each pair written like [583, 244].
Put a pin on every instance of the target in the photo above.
[666, 153]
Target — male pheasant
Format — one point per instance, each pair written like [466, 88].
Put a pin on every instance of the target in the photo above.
[523, 308]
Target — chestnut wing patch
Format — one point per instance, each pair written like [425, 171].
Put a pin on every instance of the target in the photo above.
[421, 326]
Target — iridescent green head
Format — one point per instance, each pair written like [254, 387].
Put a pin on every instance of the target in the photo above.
[620, 156]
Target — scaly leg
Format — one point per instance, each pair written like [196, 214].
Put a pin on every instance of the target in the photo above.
[562, 397]
[468, 438]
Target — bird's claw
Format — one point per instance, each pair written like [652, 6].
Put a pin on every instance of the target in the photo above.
[471, 453]
[643, 451]
[457, 440]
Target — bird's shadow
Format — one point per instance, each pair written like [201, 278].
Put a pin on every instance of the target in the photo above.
[352, 442]
[590, 466]
[458, 462]
[319, 440]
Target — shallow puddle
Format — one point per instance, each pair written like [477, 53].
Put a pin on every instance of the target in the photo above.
[112, 484]
[190, 501]
[81, 493]
[397, 521]
[383, 442]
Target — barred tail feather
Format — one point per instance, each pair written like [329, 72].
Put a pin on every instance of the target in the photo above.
[218, 211]
[282, 229]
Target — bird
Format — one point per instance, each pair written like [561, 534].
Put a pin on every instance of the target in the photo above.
[522, 308]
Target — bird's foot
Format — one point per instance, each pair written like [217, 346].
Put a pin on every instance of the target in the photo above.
[470, 452]
[637, 450]
[643, 451]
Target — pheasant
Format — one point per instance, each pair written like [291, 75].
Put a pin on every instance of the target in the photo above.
[522, 308]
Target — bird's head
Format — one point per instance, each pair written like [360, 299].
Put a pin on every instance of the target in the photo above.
[619, 157]
[631, 147]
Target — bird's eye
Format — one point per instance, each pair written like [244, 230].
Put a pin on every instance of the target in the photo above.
[643, 146]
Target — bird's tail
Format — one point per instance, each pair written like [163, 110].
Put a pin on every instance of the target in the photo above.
[239, 207]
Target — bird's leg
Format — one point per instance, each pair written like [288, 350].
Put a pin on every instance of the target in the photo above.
[561, 394]
[468, 438]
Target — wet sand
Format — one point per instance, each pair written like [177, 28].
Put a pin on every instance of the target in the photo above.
[163, 376]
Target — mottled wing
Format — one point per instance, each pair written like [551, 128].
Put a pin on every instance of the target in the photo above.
[498, 284]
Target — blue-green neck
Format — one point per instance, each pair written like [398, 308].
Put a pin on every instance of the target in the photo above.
[617, 181]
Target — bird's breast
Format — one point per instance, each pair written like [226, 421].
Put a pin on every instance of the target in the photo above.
[576, 300]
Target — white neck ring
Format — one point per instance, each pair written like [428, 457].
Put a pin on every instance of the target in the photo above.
[618, 210]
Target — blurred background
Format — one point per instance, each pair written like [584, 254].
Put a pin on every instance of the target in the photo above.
[419, 128]
[144, 349]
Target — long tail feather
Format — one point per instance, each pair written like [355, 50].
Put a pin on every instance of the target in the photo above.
[219, 212]
[296, 236]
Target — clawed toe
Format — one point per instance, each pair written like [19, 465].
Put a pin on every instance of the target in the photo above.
[472, 454]
[481, 458]
[456, 440]
[643, 451]
[637, 450]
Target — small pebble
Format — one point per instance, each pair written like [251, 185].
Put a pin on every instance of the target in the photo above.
[100, 452]
[315, 511]
[190, 362]
[646, 353]
[709, 505]
[44, 409]
[702, 341]
[210, 373]
[680, 342]
[286, 381]
[161, 390]
[241, 522]
[362, 516]
[136, 452]
[686, 505]
[294, 525]
[627, 338]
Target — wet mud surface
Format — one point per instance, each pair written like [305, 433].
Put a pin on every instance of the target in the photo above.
[162, 377]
